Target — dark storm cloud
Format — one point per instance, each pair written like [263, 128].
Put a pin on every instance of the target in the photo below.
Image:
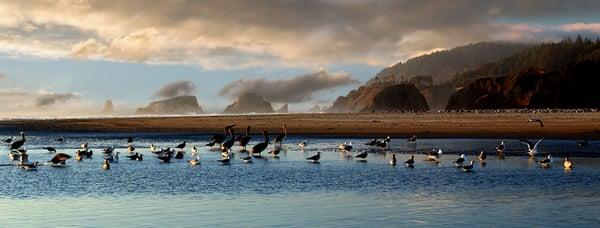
[177, 88]
[293, 90]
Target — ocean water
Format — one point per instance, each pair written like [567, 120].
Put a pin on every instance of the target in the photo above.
[289, 191]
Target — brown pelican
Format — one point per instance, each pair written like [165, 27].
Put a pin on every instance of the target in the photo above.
[59, 159]
[531, 148]
[314, 158]
[244, 139]
[568, 164]
[545, 163]
[345, 146]
[393, 159]
[279, 139]
[219, 138]
[49, 149]
[18, 143]
[260, 147]
[106, 165]
[226, 146]
[535, 119]
[469, 167]
[410, 162]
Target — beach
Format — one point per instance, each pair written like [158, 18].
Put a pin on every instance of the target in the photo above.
[428, 125]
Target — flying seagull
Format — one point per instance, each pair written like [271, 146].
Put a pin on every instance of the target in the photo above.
[535, 119]
[531, 148]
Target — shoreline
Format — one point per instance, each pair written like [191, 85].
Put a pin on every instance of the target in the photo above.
[566, 125]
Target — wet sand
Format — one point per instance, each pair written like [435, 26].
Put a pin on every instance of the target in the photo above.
[480, 125]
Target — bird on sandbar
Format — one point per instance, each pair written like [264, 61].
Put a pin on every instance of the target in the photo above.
[181, 146]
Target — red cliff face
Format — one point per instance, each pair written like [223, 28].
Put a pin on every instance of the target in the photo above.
[381, 97]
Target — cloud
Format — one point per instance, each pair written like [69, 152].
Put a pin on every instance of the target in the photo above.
[267, 33]
[292, 90]
[177, 88]
[50, 98]
[3, 76]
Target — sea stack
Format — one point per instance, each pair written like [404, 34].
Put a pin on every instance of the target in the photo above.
[249, 103]
[176, 105]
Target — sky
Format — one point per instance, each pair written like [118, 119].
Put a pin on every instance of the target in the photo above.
[66, 57]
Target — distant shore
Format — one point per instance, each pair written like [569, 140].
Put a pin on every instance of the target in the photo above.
[443, 125]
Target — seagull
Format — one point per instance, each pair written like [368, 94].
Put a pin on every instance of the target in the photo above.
[106, 165]
[535, 119]
[279, 139]
[433, 155]
[482, 157]
[345, 146]
[500, 148]
[195, 161]
[260, 147]
[194, 149]
[410, 162]
[362, 156]
[393, 159]
[181, 145]
[303, 144]
[413, 138]
[49, 149]
[459, 161]
[314, 158]
[130, 149]
[18, 143]
[532, 148]
[59, 159]
[152, 147]
[469, 167]
[545, 163]
[568, 164]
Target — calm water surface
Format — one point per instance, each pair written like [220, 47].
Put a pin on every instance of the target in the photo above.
[288, 191]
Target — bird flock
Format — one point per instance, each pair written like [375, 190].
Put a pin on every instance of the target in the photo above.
[225, 142]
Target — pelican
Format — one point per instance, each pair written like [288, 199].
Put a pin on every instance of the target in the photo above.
[18, 143]
[469, 167]
[535, 119]
[303, 144]
[362, 156]
[345, 146]
[195, 161]
[531, 148]
[130, 149]
[106, 165]
[152, 147]
[393, 159]
[226, 146]
[260, 147]
[314, 158]
[59, 159]
[459, 161]
[279, 139]
[410, 162]
[244, 139]
[413, 138]
[248, 159]
[49, 149]
[482, 157]
[181, 146]
[219, 138]
[568, 164]
[545, 163]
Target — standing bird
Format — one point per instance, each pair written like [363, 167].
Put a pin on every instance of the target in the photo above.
[393, 159]
[279, 139]
[130, 149]
[181, 146]
[195, 161]
[60, 159]
[500, 148]
[49, 149]
[194, 149]
[362, 156]
[260, 147]
[469, 167]
[105, 165]
[545, 163]
[433, 155]
[345, 146]
[244, 139]
[410, 162]
[219, 138]
[413, 138]
[568, 164]
[18, 143]
[459, 161]
[372, 142]
[482, 157]
[226, 146]
[531, 148]
[314, 158]
[152, 148]
[303, 144]
[535, 119]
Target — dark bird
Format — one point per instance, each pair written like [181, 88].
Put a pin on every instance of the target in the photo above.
[482, 157]
[133, 156]
[129, 139]
[244, 139]
[276, 150]
[545, 163]
[164, 158]
[500, 148]
[413, 138]
[372, 142]
[535, 119]
[314, 158]
[219, 138]
[393, 159]
[582, 142]
[226, 146]
[459, 161]
[179, 154]
[49, 149]
[181, 145]
[279, 139]
[469, 167]
[260, 147]
[61, 140]
[8, 140]
[60, 158]
[410, 161]
[18, 143]
[362, 155]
